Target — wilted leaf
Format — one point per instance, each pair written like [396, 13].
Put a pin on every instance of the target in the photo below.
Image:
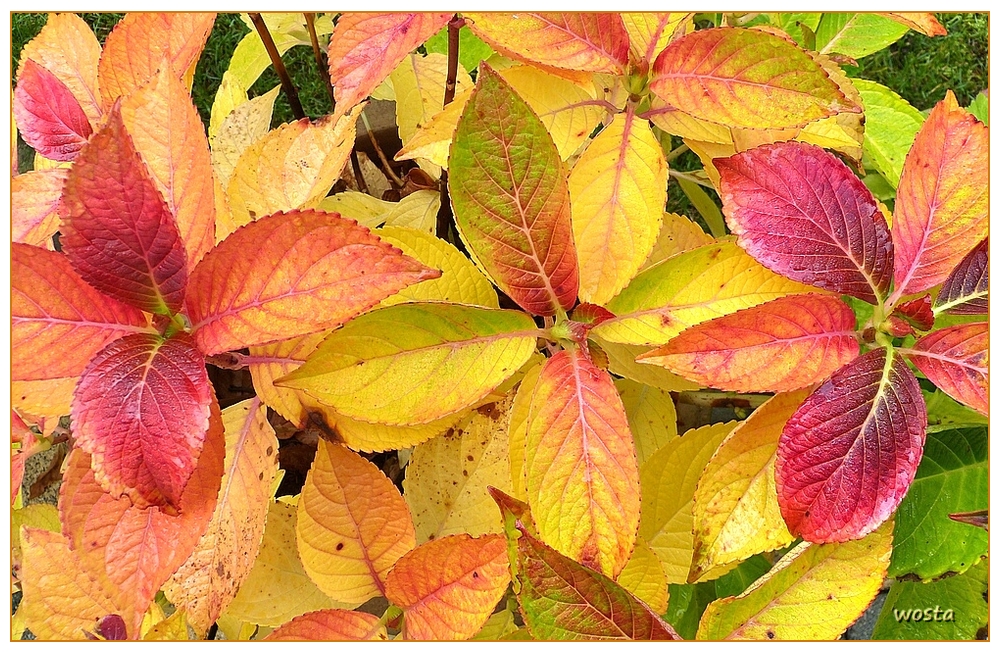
[49, 117]
[957, 359]
[849, 453]
[942, 205]
[247, 124]
[644, 578]
[448, 588]
[331, 625]
[352, 525]
[966, 290]
[311, 271]
[891, 124]
[511, 199]
[34, 206]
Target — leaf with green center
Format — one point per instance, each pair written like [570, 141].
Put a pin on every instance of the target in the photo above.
[580, 464]
[48, 116]
[34, 206]
[593, 42]
[942, 205]
[467, 351]
[353, 525]
[951, 609]
[891, 124]
[688, 289]
[745, 78]
[117, 230]
[957, 359]
[331, 625]
[802, 213]
[856, 35]
[849, 453]
[814, 592]
[448, 588]
[779, 346]
[311, 271]
[966, 290]
[511, 199]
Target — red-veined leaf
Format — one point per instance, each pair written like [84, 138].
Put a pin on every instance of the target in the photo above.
[447, 588]
[966, 290]
[925, 23]
[849, 453]
[802, 213]
[917, 312]
[511, 198]
[48, 116]
[34, 206]
[117, 230]
[142, 42]
[310, 271]
[580, 464]
[957, 359]
[365, 48]
[745, 78]
[59, 322]
[331, 625]
[779, 346]
[592, 42]
[942, 204]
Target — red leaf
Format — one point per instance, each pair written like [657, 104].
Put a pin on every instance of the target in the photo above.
[117, 230]
[778, 346]
[849, 453]
[310, 271]
[956, 359]
[141, 410]
[58, 322]
[917, 312]
[802, 213]
[965, 291]
[49, 118]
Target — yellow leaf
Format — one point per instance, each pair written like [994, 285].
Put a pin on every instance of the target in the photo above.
[272, 361]
[621, 361]
[499, 625]
[687, 126]
[40, 515]
[224, 223]
[518, 430]
[736, 512]
[230, 95]
[235, 630]
[677, 235]
[174, 628]
[460, 281]
[617, 191]
[644, 578]
[432, 139]
[447, 477]
[278, 588]
[690, 288]
[364, 436]
[652, 417]
[649, 33]
[245, 125]
[418, 210]
[814, 592]
[250, 59]
[668, 481]
[43, 398]
[353, 525]
[42, 163]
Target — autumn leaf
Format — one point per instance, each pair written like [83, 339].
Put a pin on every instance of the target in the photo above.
[245, 125]
[942, 204]
[925, 23]
[621, 362]
[44, 398]
[745, 78]
[644, 578]
[352, 525]
[779, 346]
[802, 213]
[117, 230]
[856, 441]
[417, 211]
[311, 271]
[59, 322]
[511, 200]
[677, 235]
[966, 290]
[956, 359]
[447, 588]
[49, 117]
[652, 417]
[331, 625]
[580, 464]
[468, 351]
[34, 204]
[649, 33]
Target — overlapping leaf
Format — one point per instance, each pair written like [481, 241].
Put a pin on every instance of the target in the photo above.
[779, 346]
[802, 213]
[966, 290]
[644, 578]
[244, 126]
[34, 204]
[416, 211]
[942, 205]
[677, 235]
[891, 124]
[449, 357]
[960, 610]
[311, 271]
[511, 200]
[352, 525]
[649, 33]
[856, 34]
[956, 359]
[448, 587]
[849, 453]
[49, 117]
[331, 625]
[652, 418]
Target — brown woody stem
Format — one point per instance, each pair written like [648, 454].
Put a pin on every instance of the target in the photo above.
[386, 166]
[359, 178]
[449, 85]
[279, 66]
[318, 55]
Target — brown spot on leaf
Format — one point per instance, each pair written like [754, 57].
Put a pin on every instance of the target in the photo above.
[270, 451]
[340, 546]
[769, 634]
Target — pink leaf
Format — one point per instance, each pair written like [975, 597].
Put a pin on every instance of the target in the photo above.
[50, 119]
[965, 291]
[956, 359]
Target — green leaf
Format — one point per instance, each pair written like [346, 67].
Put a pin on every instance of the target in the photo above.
[793, 22]
[945, 413]
[980, 108]
[856, 35]
[947, 610]
[471, 49]
[891, 124]
[688, 601]
[711, 213]
[952, 477]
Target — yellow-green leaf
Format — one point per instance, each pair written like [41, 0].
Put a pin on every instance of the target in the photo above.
[677, 235]
[418, 210]
[652, 417]
[518, 430]
[250, 59]
[649, 33]
[247, 124]
[621, 362]
[230, 95]
[644, 578]
[431, 139]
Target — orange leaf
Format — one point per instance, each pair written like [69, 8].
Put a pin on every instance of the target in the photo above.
[270, 362]
[365, 48]
[59, 322]
[167, 131]
[138, 549]
[210, 578]
[581, 465]
[34, 202]
[957, 359]
[448, 588]
[43, 398]
[942, 204]
[353, 525]
[331, 625]
[925, 23]
[310, 271]
[139, 45]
